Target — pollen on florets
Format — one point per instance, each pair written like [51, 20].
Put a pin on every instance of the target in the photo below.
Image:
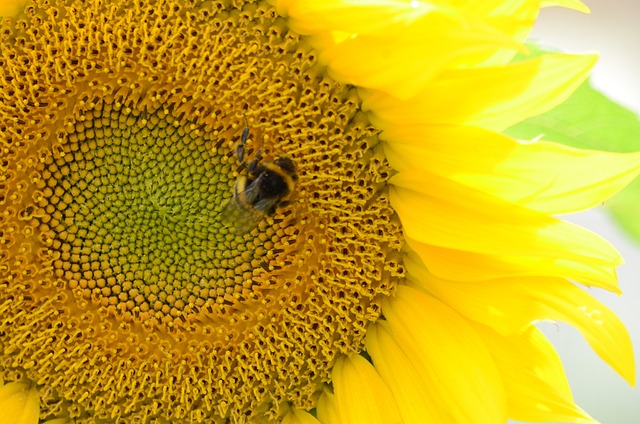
[123, 295]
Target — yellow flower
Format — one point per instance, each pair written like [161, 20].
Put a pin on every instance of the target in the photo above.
[292, 211]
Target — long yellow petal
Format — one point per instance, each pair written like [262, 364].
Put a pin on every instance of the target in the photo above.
[514, 18]
[440, 212]
[375, 17]
[448, 355]
[360, 394]
[536, 386]
[510, 305]
[392, 33]
[492, 97]
[418, 399]
[327, 409]
[557, 78]
[452, 264]
[372, 16]
[547, 177]
[19, 404]
[487, 9]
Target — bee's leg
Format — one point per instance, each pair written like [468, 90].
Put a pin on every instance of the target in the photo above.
[243, 141]
[241, 149]
[240, 153]
[254, 165]
[258, 155]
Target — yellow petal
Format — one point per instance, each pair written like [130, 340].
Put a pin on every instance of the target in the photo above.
[558, 77]
[393, 46]
[360, 394]
[440, 212]
[298, 416]
[19, 404]
[11, 8]
[547, 177]
[451, 264]
[327, 409]
[492, 97]
[491, 9]
[509, 305]
[513, 18]
[374, 17]
[574, 180]
[419, 401]
[569, 4]
[535, 382]
[448, 355]
[516, 11]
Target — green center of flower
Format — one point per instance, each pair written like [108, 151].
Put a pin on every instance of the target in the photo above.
[135, 203]
[130, 295]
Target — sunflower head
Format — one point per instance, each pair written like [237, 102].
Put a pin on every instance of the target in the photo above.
[242, 211]
[127, 289]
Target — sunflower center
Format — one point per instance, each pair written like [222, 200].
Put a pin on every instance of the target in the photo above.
[134, 199]
[131, 291]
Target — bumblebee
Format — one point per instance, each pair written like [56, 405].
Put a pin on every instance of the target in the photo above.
[260, 192]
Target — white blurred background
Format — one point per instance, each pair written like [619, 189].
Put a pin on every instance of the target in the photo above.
[613, 30]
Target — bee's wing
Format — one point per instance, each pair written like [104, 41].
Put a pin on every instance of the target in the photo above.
[239, 213]
[266, 206]
[242, 218]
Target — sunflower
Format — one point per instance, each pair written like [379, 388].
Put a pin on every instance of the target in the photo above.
[292, 211]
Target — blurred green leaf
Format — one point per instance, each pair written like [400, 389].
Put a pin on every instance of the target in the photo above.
[590, 120]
